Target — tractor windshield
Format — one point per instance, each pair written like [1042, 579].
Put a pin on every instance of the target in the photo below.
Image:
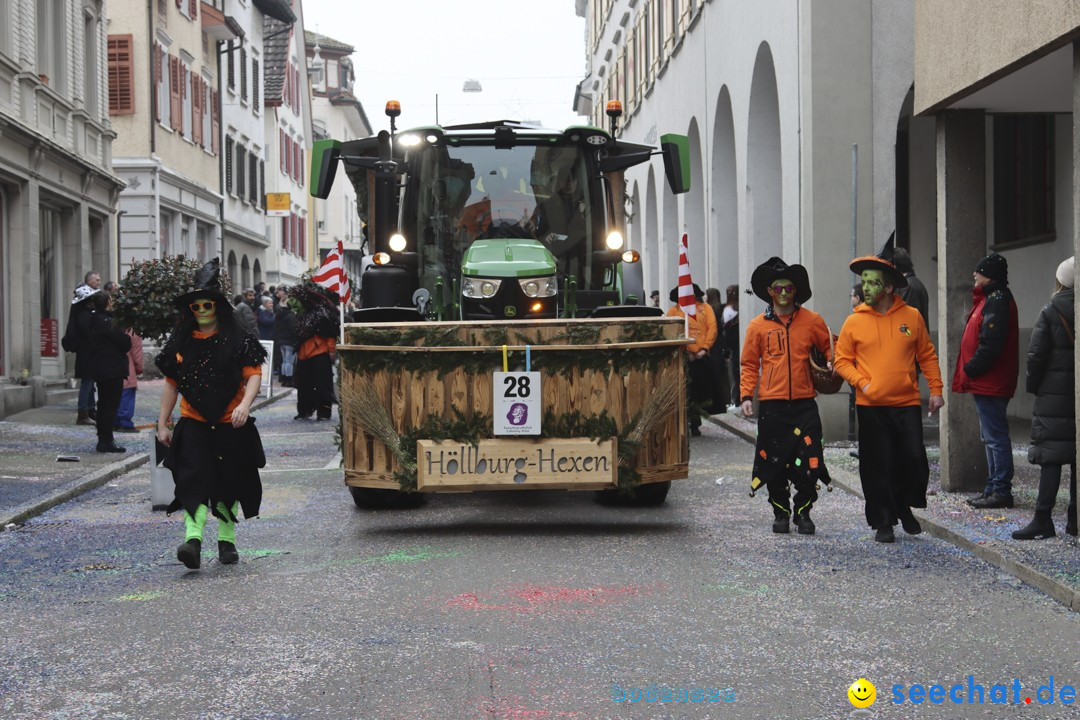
[459, 194]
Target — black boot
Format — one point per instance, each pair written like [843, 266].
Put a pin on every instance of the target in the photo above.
[781, 523]
[804, 523]
[885, 535]
[226, 553]
[190, 553]
[1040, 527]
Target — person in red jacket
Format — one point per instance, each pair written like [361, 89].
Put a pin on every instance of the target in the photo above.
[876, 353]
[776, 361]
[987, 367]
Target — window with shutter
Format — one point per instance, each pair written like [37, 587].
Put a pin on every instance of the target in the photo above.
[159, 92]
[281, 150]
[176, 100]
[300, 172]
[303, 237]
[296, 162]
[193, 9]
[253, 175]
[121, 71]
[289, 157]
[241, 163]
[262, 184]
[185, 89]
[215, 123]
[285, 234]
[230, 67]
[196, 109]
[228, 164]
[243, 74]
[255, 80]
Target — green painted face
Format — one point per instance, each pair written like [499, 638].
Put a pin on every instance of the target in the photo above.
[873, 285]
[782, 292]
[205, 311]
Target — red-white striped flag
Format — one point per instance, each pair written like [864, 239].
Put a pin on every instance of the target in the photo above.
[331, 274]
[687, 301]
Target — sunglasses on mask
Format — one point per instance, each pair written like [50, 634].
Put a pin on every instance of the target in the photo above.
[205, 305]
[783, 289]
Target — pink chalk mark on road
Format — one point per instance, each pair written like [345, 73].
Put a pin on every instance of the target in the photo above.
[539, 599]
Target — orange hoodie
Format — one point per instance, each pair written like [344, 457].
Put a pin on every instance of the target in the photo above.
[881, 350]
[777, 351]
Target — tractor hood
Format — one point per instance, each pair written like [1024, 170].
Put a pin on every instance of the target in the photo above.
[507, 258]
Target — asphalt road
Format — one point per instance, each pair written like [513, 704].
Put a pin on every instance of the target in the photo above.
[515, 606]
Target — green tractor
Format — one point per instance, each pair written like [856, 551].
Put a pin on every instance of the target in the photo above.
[495, 220]
[490, 244]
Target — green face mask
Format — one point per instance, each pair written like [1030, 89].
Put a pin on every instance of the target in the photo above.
[873, 285]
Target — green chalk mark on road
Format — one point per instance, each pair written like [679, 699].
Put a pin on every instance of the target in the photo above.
[139, 597]
[412, 554]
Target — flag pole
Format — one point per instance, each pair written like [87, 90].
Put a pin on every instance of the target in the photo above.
[341, 319]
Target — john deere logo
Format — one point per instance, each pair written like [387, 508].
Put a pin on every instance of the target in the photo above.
[509, 311]
[905, 329]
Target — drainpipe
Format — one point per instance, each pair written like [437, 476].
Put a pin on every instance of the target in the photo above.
[153, 80]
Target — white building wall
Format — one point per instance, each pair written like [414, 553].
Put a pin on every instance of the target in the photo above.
[55, 158]
[841, 72]
[245, 231]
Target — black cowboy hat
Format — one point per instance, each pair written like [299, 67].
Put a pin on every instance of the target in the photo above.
[205, 284]
[773, 269]
[883, 262]
[698, 294]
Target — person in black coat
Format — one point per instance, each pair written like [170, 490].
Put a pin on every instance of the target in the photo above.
[75, 341]
[1051, 378]
[107, 347]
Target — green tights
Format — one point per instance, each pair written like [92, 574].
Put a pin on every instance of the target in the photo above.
[226, 529]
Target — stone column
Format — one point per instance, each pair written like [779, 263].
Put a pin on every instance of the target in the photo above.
[961, 243]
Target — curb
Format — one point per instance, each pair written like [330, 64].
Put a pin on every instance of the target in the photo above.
[1062, 593]
[21, 513]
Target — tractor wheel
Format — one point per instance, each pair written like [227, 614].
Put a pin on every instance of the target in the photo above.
[651, 495]
[377, 499]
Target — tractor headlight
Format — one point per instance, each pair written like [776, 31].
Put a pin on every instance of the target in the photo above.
[397, 242]
[614, 240]
[541, 287]
[480, 288]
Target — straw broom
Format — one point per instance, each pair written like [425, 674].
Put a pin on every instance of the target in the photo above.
[363, 406]
[661, 404]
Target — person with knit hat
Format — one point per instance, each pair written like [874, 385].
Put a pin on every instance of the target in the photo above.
[776, 362]
[876, 353]
[1051, 378]
[987, 367]
[214, 451]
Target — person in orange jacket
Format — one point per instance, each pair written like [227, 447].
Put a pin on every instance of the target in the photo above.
[703, 332]
[876, 353]
[776, 361]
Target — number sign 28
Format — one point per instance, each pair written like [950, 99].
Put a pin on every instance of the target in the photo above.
[517, 386]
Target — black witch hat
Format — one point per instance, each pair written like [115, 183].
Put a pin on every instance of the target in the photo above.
[774, 269]
[205, 284]
[883, 262]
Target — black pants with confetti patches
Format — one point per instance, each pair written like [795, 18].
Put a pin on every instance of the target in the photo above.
[893, 466]
[789, 450]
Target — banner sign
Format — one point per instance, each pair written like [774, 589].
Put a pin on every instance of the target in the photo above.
[564, 463]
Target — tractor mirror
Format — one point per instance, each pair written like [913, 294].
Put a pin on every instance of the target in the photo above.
[324, 163]
[676, 151]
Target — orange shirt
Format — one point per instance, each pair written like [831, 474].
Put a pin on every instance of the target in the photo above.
[702, 327]
[189, 412]
[881, 350]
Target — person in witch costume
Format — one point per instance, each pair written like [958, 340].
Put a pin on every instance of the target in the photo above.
[317, 328]
[214, 452]
[876, 353]
[776, 361]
